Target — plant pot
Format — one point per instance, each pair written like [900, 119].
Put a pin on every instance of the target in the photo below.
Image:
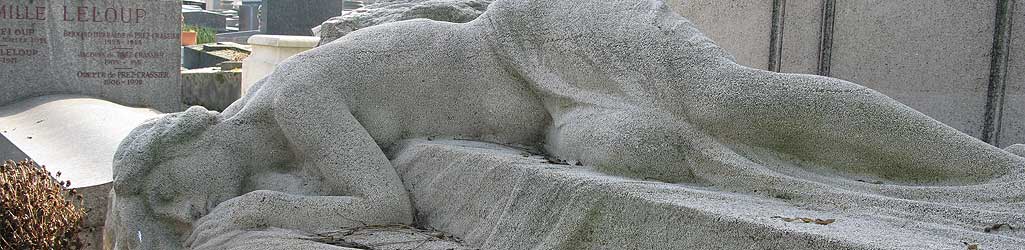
[188, 38]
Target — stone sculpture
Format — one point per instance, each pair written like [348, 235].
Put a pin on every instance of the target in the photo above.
[627, 87]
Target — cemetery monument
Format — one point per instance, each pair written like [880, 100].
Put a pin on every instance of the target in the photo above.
[540, 124]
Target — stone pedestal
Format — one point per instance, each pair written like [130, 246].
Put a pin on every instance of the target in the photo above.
[498, 197]
[268, 52]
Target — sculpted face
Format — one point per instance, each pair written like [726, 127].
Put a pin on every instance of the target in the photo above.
[154, 184]
[183, 193]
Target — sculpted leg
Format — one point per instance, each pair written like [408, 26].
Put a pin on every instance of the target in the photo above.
[656, 146]
[847, 127]
[833, 124]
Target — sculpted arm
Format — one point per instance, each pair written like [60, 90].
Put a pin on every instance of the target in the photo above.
[357, 184]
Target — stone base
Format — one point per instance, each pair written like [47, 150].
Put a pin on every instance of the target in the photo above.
[96, 203]
[213, 88]
[495, 197]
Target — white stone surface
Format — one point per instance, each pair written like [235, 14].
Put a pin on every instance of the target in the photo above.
[628, 88]
[74, 135]
[268, 52]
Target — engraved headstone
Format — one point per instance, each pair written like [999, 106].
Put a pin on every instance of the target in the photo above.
[297, 17]
[205, 18]
[125, 51]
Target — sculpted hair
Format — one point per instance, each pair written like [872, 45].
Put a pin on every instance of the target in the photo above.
[147, 145]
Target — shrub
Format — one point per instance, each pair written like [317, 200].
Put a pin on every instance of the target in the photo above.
[37, 210]
[203, 34]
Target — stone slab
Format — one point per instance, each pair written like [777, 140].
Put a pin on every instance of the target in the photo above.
[285, 41]
[739, 26]
[75, 135]
[119, 50]
[297, 17]
[494, 197]
[801, 24]
[931, 55]
[1012, 130]
[10, 152]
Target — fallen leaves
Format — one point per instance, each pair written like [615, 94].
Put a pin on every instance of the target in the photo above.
[871, 182]
[971, 246]
[997, 227]
[806, 220]
[356, 237]
[556, 161]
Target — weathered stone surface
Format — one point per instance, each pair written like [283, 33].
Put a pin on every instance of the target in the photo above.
[363, 237]
[941, 68]
[1012, 129]
[802, 28]
[628, 88]
[456, 11]
[212, 88]
[738, 26]
[496, 198]
[296, 17]
[125, 51]
[8, 151]
[96, 202]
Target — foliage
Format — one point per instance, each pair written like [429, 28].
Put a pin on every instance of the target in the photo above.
[203, 34]
[37, 210]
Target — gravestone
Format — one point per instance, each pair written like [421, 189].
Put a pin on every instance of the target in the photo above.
[297, 17]
[208, 19]
[125, 51]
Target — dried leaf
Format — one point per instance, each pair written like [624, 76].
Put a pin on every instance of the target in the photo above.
[824, 222]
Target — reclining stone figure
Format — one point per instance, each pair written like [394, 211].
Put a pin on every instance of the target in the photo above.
[628, 87]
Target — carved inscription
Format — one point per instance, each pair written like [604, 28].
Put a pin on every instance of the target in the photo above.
[112, 44]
